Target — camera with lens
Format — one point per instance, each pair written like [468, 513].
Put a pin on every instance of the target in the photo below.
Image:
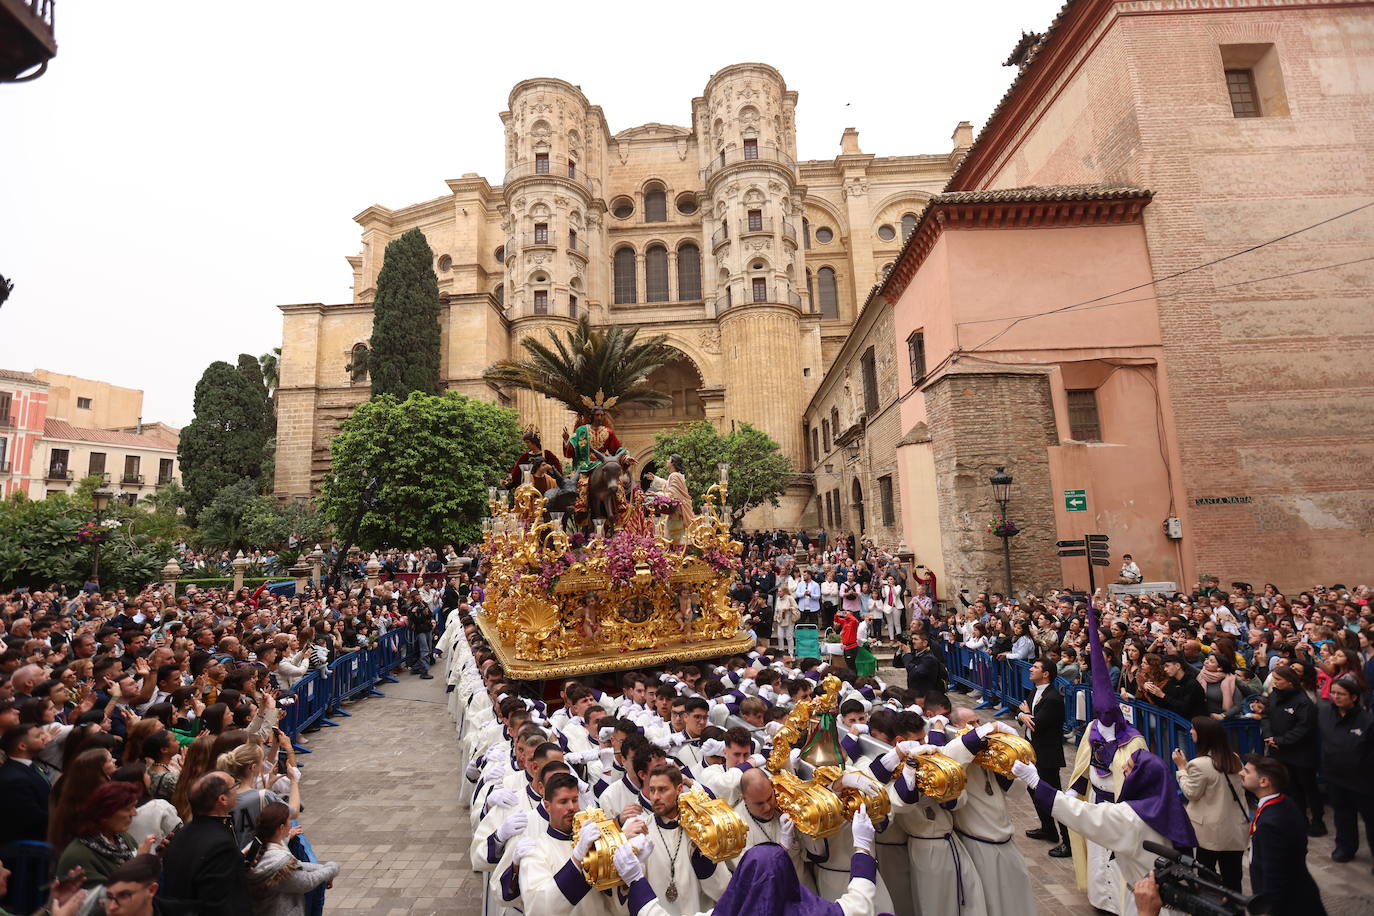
[1188, 887]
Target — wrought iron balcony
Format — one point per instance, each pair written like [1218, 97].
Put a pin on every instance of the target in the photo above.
[26, 39]
[4, 467]
[579, 247]
[545, 239]
[736, 156]
[762, 294]
[58, 472]
[164, 479]
[553, 168]
[720, 237]
[131, 480]
[9, 420]
[761, 226]
[789, 232]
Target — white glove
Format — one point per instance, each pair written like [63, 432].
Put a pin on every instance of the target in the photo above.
[585, 838]
[579, 757]
[910, 748]
[1026, 773]
[916, 708]
[501, 797]
[890, 760]
[522, 849]
[787, 831]
[713, 747]
[757, 760]
[605, 732]
[1003, 727]
[792, 759]
[859, 782]
[473, 770]
[863, 830]
[512, 825]
[627, 864]
[678, 739]
[607, 756]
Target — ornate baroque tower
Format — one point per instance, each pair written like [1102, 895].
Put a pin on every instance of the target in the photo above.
[752, 212]
[552, 213]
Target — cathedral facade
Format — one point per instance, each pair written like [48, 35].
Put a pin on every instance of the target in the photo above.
[751, 262]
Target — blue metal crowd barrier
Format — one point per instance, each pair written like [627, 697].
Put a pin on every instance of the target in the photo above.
[1003, 683]
[30, 863]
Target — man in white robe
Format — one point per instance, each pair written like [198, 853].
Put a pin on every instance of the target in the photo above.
[685, 881]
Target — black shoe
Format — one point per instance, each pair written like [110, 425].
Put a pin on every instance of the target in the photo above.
[1062, 851]
[1040, 833]
[1341, 855]
[1317, 828]
[426, 676]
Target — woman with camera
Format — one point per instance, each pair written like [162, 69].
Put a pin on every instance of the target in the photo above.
[1216, 799]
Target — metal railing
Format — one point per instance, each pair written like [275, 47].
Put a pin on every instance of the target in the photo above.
[131, 479]
[769, 293]
[578, 246]
[539, 240]
[164, 479]
[4, 467]
[763, 225]
[748, 154]
[57, 472]
[789, 231]
[556, 167]
[720, 237]
[9, 419]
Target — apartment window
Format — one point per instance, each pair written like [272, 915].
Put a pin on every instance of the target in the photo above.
[164, 470]
[1244, 97]
[131, 463]
[688, 273]
[835, 419]
[541, 233]
[916, 355]
[97, 465]
[655, 206]
[541, 302]
[885, 501]
[129, 499]
[755, 220]
[83, 403]
[829, 293]
[869, 365]
[572, 306]
[751, 149]
[825, 433]
[1084, 423]
[57, 461]
[815, 445]
[572, 239]
[828, 517]
[759, 289]
[624, 276]
[541, 163]
[835, 501]
[572, 169]
[7, 417]
[4, 456]
[656, 274]
[908, 225]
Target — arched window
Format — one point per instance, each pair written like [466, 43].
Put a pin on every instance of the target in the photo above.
[806, 233]
[625, 276]
[500, 294]
[656, 274]
[655, 205]
[357, 364]
[908, 225]
[688, 273]
[830, 296]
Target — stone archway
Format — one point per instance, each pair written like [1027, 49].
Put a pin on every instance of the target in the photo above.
[680, 379]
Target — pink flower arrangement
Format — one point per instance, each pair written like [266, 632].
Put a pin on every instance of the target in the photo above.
[621, 548]
[660, 503]
[1003, 528]
[91, 533]
[721, 561]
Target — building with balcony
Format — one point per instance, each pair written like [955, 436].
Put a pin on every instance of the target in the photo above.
[42, 452]
[752, 262]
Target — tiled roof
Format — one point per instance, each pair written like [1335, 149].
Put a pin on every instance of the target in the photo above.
[16, 375]
[61, 429]
[1063, 192]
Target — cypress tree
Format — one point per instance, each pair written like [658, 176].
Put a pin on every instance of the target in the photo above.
[224, 444]
[251, 371]
[405, 320]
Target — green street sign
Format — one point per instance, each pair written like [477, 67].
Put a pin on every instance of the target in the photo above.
[1075, 500]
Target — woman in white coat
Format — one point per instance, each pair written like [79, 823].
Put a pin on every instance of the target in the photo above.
[1216, 800]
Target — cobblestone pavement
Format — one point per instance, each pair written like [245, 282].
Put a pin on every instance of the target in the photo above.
[381, 798]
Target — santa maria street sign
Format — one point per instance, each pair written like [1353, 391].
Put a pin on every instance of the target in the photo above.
[1075, 500]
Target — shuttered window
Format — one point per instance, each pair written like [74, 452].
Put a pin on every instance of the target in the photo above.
[656, 274]
[688, 273]
[829, 293]
[1084, 423]
[625, 276]
[655, 207]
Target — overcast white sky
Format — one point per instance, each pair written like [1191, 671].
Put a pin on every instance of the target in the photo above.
[183, 168]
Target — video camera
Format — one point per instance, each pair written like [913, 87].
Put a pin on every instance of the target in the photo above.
[1188, 887]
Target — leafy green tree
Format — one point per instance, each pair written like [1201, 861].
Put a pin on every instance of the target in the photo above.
[225, 442]
[267, 522]
[405, 322]
[270, 363]
[586, 361]
[433, 457]
[221, 523]
[251, 371]
[759, 472]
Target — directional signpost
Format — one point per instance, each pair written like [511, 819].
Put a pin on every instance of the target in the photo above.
[1075, 500]
[1092, 546]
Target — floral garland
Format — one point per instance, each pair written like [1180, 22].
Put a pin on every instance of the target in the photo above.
[721, 561]
[622, 549]
[660, 503]
[91, 533]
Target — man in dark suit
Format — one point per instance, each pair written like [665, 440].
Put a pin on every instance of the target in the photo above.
[1278, 842]
[1042, 714]
[203, 870]
[23, 790]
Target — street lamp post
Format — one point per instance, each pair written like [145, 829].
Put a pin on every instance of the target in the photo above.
[101, 500]
[1001, 493]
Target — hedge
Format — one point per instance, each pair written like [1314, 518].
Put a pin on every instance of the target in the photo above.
[250, 582]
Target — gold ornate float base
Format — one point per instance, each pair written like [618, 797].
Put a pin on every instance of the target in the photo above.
[611, 659]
